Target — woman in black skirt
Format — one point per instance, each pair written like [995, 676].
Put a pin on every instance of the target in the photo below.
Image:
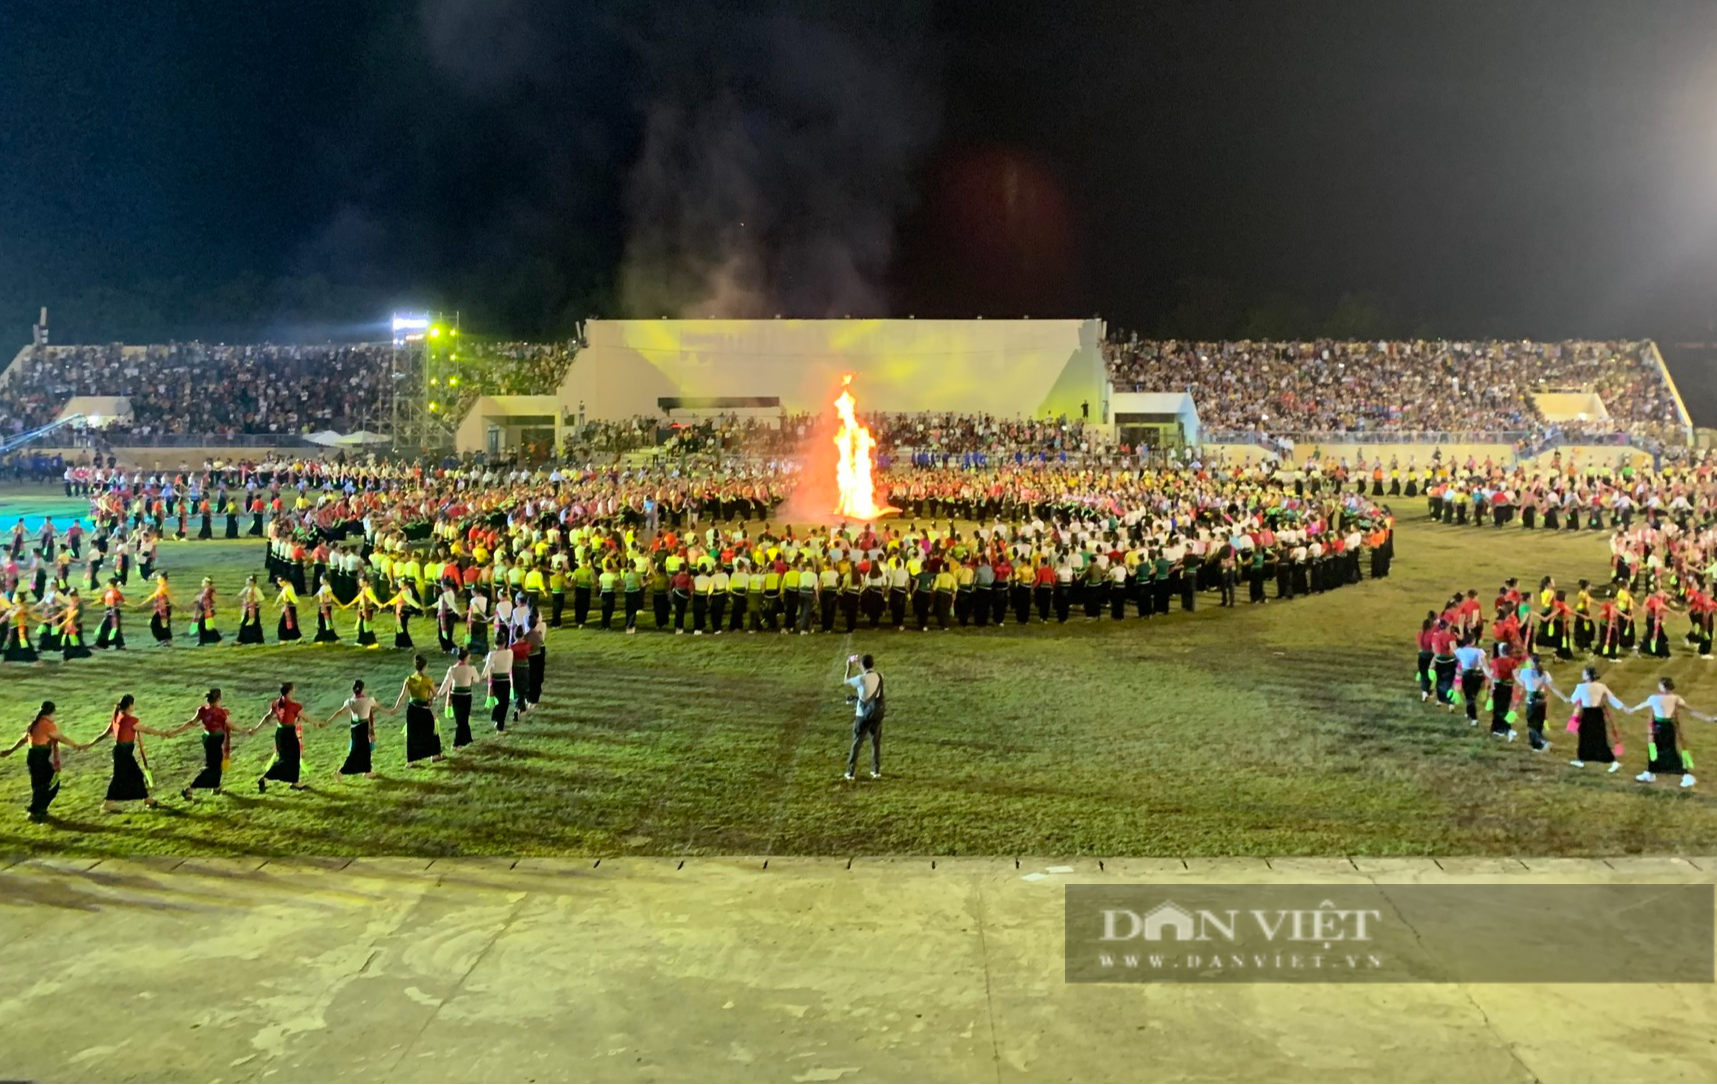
[160, 604]
[366, 604]
[16, 613]
[48, 632]
[229, 509]
[404, 604]
[286, 630]
[326, 604]
[288, 762]
[498, 669]
[112, 632]
[360, 710]
[217, 743]
[44, 740]
[422, 740]
[456, 689]
[250, 612]
[1592, 701]
[72, 645]
[1665, 746]
[203, 614]
[130, 781]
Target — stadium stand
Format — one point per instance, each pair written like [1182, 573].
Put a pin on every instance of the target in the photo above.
[1434, 388]
[220, 391]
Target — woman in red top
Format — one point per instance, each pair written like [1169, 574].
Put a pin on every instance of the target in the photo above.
[44, 740]
[130, 763]
[1656, 639]
[217, 743]
[288, 740]
[1426, 655]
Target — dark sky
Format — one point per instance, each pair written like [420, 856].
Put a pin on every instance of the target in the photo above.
[1533, 169]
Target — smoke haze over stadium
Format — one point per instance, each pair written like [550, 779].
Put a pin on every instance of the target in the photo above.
[1529, 169]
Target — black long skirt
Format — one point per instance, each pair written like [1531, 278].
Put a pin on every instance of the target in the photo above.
[208, 634]
[128, 781]
[72, 645]
[461, 705]
[1594, 743]
[161, 625]
[1668, 758]
[402, 639]
[112, 631]
[501, 692]
[288, 756]
[325, 633]
[214, 762]
[421, 738]
[250, 629]
[44, 780]
[286, 630]
[358, 754]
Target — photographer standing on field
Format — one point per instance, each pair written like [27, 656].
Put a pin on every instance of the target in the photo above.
[869, 708]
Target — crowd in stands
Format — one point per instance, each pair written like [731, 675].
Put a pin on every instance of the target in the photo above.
[225, 390]
[1424, 387]
[1273, 392]
[210, 389]
[510, 369]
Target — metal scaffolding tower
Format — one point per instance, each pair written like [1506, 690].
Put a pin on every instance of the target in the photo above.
[424, 358]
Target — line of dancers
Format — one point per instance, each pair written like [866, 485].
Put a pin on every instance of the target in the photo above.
[1511, 681]
[511, 676]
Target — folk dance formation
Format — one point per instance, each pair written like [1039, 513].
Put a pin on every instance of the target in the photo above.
[132, 780]
[660, 549]
[1464, 661]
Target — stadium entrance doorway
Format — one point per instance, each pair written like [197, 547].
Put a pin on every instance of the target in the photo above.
[1148, 431]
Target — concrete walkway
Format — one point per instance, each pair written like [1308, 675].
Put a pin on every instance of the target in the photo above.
[807, 970]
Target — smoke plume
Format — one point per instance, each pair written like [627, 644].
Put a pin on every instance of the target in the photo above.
[779, 153]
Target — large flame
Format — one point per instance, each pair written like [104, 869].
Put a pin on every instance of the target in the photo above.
[854, 445]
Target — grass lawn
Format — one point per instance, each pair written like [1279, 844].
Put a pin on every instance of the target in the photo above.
[1288, 729]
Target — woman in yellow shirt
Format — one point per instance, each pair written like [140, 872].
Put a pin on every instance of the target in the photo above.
[422, 740]
[287, 629]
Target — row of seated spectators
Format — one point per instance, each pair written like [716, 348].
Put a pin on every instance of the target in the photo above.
[928, 439]
[1332, 386]
[223, 390]
[511, 369]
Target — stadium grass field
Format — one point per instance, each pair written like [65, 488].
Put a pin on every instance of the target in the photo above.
[1287, 729]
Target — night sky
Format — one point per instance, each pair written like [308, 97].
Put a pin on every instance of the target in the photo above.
[1522, 169]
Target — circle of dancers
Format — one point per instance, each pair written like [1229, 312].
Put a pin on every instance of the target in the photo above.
[1498, 669]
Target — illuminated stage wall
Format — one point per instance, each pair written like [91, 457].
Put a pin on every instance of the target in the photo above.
[1004, 367]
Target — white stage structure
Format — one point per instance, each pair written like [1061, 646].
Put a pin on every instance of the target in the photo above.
[1008, 368]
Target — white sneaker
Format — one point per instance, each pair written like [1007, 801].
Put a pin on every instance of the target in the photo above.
[1578, 764]
[1511, 734]
[1645, 777]
[1615, 766]
[1423, 696]
[1687, 779]
[847, 776]
[878, 776]
[697, 632]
